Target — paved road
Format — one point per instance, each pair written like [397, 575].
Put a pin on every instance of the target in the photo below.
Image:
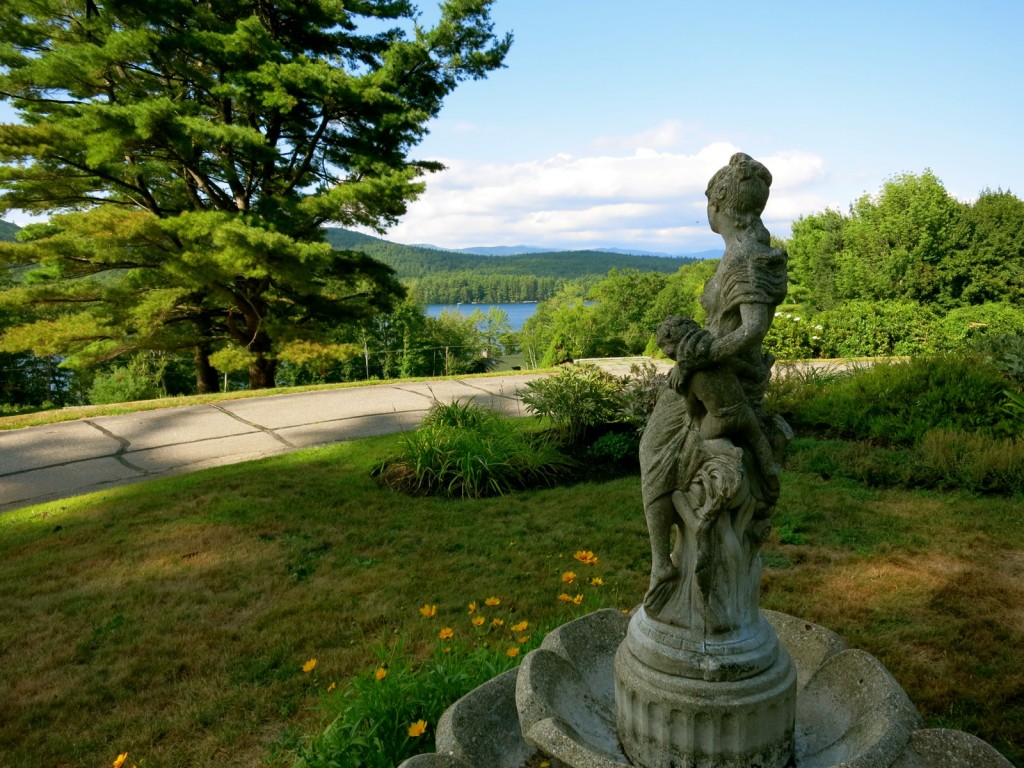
[61, 460]
[57, 461]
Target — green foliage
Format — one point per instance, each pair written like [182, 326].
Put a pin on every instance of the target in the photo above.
[622, 301]
[912, 242]
[638, 393]
[462, 414]
[793, 337]
[479, 287]
[140, 379]
[614, 447]
[793, 385]
[972, 324]
[192, 153]
[464, 450]
[372, 727]
[881, 328]
[575, 398]
[899, 403]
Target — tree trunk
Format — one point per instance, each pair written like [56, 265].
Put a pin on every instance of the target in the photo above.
[262, 372]
[207, 380]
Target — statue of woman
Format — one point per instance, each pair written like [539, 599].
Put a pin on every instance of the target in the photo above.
[713, 403]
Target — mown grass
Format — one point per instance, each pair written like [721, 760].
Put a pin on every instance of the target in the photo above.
[171, 619]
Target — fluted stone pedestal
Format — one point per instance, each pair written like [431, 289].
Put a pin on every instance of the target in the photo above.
[681, 702]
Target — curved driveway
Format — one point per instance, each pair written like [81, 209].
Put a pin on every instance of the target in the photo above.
[70, 458]
[56, 461]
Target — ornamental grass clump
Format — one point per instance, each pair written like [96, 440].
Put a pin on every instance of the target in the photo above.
[463, 450]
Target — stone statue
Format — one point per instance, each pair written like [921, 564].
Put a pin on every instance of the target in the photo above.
[708, 445]
[696, 676]
[698, 656]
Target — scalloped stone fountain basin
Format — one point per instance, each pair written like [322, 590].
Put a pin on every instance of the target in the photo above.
[559, 706]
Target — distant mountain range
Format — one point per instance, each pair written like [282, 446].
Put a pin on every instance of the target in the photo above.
[519, 250]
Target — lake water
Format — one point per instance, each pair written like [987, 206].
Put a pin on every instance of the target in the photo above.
[517, 313]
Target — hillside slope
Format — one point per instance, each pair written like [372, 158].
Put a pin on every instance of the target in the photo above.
[416, 261]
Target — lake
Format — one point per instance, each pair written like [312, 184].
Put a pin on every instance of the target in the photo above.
[518, 314]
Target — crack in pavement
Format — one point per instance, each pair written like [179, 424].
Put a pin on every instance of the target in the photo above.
[122, 447]
[254, 425]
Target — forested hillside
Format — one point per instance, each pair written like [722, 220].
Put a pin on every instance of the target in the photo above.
[448, 277]
[413, 261]
[7, 231]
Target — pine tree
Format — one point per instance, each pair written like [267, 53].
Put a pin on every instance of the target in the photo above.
[188, 154]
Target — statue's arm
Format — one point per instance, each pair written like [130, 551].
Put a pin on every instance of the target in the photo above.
[755, 319]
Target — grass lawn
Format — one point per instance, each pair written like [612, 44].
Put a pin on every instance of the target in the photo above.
[172, 619]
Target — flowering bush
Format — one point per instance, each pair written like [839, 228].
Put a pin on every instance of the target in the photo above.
[793, 337]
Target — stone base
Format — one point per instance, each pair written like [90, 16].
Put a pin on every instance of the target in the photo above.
[666, 721]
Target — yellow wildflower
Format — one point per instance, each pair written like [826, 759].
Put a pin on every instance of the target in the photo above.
[512, 652]
[597, 581]
[331, 687]
[520, 626]
[120, 760]
[380, 674]
[497, 623]
[492, 601]
[568, 577]
[446, 633]
[586, 557]
[578, 599]
[418, 728]
[478, 621]
[565, 598]
[472, 608]
[428, 611]
[309, 666]
[523, 639]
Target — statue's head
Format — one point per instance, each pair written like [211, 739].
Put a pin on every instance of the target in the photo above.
[738, 193]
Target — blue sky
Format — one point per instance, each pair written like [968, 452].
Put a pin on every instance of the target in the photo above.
[611, 116]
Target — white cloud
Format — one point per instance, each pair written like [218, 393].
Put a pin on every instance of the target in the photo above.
[646, 198]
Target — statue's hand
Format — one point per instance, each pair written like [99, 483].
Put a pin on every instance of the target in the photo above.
[695, 349]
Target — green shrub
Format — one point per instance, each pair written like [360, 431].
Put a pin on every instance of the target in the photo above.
[970, 325]
[615, 447]
[639, 393]
[792, 385]
[467, 451]
[877, 329]
[1005, 352]
[898, 403]
[123, 384]
[576, 398]
[793, 336]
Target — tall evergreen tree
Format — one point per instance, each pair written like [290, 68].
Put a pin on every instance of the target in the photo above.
[190, 152]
